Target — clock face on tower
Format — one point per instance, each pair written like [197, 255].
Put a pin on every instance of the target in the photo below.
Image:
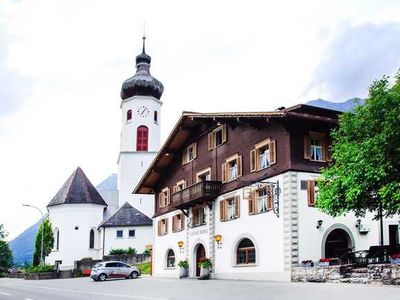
[143, 111]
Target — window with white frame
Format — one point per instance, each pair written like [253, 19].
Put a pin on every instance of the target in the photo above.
[189, 154]
[263, 155]
[246, 252]
[217, 137]
[180, 185]
[178, 222]
[203, 175]
[229, 208]
[261, 199]
[164, 197]
[316, 147]
[170, 259]
[232, 168]
[163, 226]
[198, 216]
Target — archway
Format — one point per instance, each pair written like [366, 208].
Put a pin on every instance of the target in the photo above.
[200, 254]
[337, 243]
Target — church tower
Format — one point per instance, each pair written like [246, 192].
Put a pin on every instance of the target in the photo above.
[140, 132]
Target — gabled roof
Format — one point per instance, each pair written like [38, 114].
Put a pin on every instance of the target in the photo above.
[77, 190]
[190, 120]
[127, 215]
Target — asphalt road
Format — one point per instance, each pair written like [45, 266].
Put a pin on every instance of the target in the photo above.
[160, 289]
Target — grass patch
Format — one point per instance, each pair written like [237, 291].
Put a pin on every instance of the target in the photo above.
[144, 268]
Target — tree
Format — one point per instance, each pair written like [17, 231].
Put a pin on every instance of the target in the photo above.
[48, 241]
[365, 173]
[6, 258]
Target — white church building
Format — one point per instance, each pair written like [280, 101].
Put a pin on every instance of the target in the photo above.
[87, 224]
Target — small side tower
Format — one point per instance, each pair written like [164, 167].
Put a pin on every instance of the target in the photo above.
[140, 131]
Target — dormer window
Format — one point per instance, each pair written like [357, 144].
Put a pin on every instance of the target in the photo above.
[263, 155]
[217, 137]
[189, 154]
[129, 115]
[316, 147]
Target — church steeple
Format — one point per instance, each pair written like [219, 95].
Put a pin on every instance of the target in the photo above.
[142, 83]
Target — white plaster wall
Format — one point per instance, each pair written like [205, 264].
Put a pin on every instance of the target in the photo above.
[311, 238]
[163, 243]
[132, 164]
[266, 232]
[74, 244]
[131, 168]
[143, 237]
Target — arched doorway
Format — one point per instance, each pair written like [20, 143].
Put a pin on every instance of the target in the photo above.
[338, 242]
[200, 254]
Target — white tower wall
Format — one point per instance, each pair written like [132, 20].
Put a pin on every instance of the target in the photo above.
[131, 163]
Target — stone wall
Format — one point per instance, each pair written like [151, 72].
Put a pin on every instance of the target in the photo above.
[372, 274]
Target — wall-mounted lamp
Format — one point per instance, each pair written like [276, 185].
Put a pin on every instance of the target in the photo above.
[218, 239]
[180, 245]
[319, 224]
[358, 223]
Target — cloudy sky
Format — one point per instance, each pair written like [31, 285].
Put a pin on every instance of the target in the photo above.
[62, 64]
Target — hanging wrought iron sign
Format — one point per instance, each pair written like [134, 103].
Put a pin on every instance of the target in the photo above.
[272, 190]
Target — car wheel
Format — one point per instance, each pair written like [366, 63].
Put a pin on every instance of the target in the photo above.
[102, 277]
[134, 275]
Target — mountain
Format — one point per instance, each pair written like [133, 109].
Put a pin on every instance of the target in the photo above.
[22, 246]
[347, 105]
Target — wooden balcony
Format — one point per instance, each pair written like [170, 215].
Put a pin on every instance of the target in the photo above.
[197, 193]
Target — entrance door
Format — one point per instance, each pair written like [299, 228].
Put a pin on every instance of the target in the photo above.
[337, 244]
[393, 235]
[200, 254]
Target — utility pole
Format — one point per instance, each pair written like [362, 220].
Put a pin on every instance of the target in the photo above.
[42, 233]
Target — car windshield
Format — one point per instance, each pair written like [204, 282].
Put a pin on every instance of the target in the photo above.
[98, 265]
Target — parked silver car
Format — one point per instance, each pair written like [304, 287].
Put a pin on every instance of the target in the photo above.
[113, 269]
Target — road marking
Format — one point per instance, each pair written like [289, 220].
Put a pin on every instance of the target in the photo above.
[88, 293]
[5, 294]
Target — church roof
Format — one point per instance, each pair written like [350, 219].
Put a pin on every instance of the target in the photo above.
[77, 190]
[142, 83]
[127, 215]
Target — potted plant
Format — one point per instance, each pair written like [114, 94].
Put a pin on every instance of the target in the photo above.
[205, 266]
[324, 262]
[183, 268]
[307, 263]
[395, 258]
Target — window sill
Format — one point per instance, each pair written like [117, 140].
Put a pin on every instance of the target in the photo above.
[170, 268]
[119, 238]
[227, 220]
[261, 212]
[176, 231]
[245, 265]
[318, 161]
[162, 234]
[131, 237]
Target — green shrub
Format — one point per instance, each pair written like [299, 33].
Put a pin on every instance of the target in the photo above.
[183, 264]
[40, 268]
[144, 268]
[147, 252]
[119, 251]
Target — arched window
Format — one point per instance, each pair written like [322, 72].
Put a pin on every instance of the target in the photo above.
[91, 239]
[155, 116]
[57, 239]
[129, 115]
[170, 258]
[246, 252]
[142, 138]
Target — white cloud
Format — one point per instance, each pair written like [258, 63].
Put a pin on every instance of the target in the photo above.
[210, 56]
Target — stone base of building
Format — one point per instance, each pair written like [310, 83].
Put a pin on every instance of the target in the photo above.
[261, 276]
[372, 274]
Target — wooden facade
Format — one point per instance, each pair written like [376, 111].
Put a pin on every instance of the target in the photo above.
[284, 131]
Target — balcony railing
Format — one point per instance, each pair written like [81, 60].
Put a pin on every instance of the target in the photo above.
[196, 193]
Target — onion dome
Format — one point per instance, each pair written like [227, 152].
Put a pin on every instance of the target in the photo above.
[142, 83]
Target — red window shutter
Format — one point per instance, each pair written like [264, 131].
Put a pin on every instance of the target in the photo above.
[239, 166]
[252, 160]
[252, 201]
[270, 198]
[224, 173]
[311, 192]
[142, 138]
[272, 152]
[222, 210]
